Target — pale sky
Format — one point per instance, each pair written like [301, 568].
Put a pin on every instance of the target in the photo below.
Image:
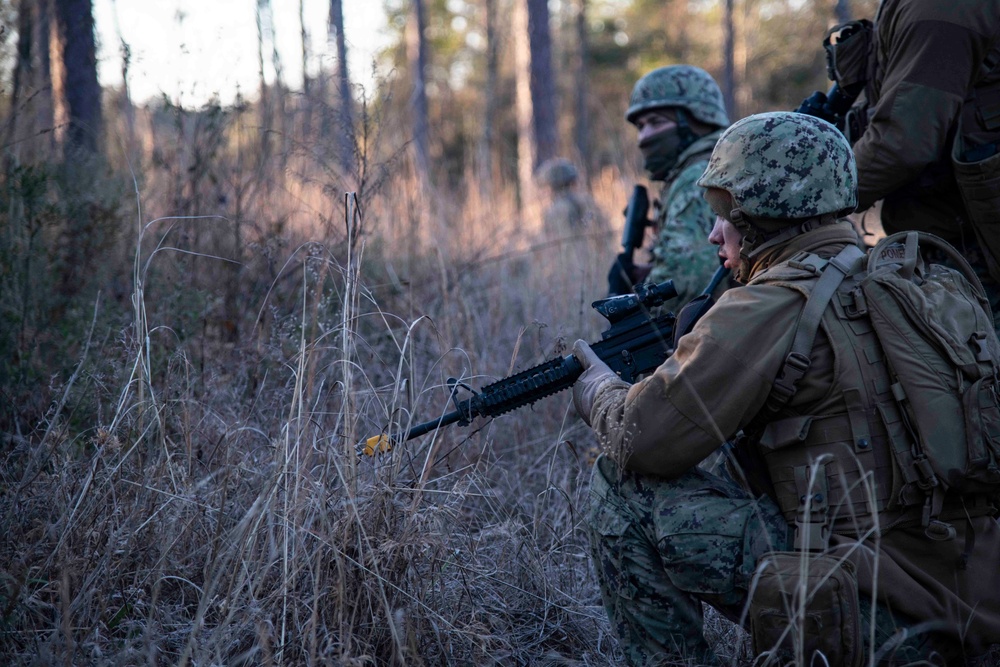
[190, 49]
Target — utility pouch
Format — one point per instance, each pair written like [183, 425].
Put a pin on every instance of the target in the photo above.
[979, 183]
[848, 47]
[982, 426]
[805, 606]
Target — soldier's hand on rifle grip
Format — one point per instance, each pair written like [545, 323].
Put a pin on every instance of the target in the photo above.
[596, 374]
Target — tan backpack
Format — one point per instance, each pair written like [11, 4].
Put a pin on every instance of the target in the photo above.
[943, 358]
[925, 339]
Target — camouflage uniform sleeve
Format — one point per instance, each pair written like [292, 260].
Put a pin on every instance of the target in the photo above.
[682, 252]
[928, 55]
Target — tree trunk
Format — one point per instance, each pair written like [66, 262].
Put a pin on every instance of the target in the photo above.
[345, 107]
[273, 116]
[683, 36]
[842, 11]
[279, 97]
[74, 81]
[526, 150]
[417, 56]
[581, 129]
[23, 70]
[543, 85]
[125, 106]
[745, 44]
[729, 61]
[485, 153]
[264, 102]
[306, 83]
[42, 80]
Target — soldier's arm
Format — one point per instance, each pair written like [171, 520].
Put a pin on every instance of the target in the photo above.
[715, 382]
[929, 64]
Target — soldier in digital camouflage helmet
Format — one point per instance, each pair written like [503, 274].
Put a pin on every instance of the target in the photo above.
[558, 173]
[679, 113]
[668, 536]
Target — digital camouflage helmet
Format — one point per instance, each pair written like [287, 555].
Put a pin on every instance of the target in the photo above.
[558, 173]
[679, 86]
[785, 173]
[785, 166]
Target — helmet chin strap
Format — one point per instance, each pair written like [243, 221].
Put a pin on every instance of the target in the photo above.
[756, 241]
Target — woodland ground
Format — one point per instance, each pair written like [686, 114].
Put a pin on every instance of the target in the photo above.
[183, 393]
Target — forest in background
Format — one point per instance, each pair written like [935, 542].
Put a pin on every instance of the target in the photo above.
[204, 310]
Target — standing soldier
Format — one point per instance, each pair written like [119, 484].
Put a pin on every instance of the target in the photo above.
[895, 540]
[679, 113]
[930, 125]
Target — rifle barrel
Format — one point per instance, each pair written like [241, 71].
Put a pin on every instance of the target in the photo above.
[434, 424]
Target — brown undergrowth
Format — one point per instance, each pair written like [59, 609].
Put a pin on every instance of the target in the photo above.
[182, 485]
[179, 481]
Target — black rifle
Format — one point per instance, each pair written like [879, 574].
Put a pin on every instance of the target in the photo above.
[635, 343]
[622, 276]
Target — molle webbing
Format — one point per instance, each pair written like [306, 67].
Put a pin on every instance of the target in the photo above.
[916, 360]
[796, 365]
[851, 446]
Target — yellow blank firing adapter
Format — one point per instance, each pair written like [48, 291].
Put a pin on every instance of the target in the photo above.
[376, 444]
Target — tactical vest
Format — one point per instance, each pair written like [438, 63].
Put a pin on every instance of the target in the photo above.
[878, 462]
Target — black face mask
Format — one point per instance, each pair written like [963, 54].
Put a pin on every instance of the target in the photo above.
[660, 152]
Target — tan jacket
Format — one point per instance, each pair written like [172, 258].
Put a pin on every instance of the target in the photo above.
[717, 381]
[927, 56]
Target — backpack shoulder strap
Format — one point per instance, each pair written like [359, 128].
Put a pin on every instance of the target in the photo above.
[846, 263]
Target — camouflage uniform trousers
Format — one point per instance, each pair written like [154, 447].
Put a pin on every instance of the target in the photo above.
[661, 548]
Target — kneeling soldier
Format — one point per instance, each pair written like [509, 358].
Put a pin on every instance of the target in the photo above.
[861, 524]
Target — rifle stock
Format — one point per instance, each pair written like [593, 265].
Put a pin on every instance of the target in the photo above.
[634, 344]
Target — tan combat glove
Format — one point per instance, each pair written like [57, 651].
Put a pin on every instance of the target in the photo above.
[596, 374]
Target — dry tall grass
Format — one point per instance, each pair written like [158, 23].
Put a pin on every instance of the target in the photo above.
[188, 492]
[179, 482]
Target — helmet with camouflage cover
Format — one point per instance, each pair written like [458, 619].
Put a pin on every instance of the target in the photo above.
[684, 86]
[777, 175]
[784, 166]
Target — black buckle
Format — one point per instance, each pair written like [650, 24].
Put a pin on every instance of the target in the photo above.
[977, 341]
[786, 384]
[859, 306]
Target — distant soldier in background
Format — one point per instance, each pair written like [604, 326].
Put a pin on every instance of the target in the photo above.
[570, 210]
[679, 113]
